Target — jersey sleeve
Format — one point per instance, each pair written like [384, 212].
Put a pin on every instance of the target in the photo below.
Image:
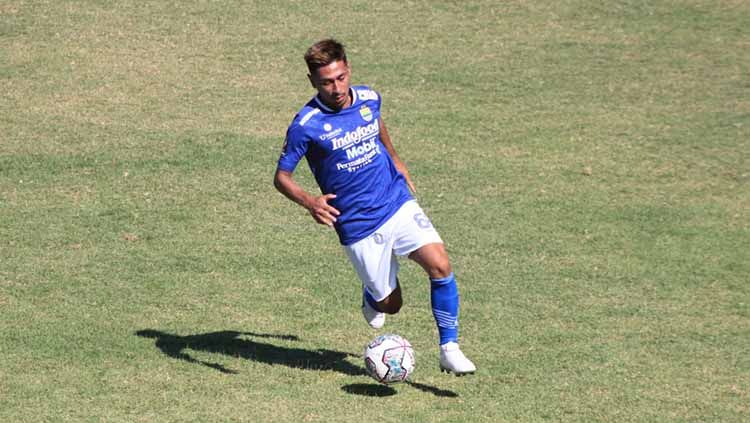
[295, 147]
[378, 100]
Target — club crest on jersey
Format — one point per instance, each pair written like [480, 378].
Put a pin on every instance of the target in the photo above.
[366, 113]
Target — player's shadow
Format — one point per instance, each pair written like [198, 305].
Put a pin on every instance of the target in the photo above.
[431, 389]
[376, 390]
[232, 344]
[369, 389]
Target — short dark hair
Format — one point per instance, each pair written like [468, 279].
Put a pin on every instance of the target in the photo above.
[323, 53]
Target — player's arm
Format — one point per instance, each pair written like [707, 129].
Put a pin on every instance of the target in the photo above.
[321, 211]
[388, 144]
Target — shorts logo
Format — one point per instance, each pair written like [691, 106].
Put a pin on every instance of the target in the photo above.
[366, 113]
[378, 238]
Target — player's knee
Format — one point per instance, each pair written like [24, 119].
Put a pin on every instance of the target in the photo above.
[434, 260]
[440, 269]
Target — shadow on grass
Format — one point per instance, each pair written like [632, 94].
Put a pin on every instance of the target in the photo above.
[377, 390]
[369, 389]
[433, 390]
[231, 344]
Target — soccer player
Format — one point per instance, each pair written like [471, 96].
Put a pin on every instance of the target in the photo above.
[367, 196]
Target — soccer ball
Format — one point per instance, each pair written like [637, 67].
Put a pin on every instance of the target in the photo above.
[389, 359]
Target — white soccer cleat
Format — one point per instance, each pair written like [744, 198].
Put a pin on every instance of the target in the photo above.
[452, 360]
[374, 318]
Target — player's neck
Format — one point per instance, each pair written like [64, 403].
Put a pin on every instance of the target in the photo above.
[336, 107]
[348, 100]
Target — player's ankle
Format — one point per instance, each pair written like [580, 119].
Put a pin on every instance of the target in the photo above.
[449, 346]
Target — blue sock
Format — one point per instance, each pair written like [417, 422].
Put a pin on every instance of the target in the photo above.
[371, 301]
[444, 296]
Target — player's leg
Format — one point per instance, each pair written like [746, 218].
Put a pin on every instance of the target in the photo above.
[390, 304]
[377, 268]
[445, 305]
[433, 259]
[415, 237]
[443, 289]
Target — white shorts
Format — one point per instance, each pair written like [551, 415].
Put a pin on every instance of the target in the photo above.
[374, 258]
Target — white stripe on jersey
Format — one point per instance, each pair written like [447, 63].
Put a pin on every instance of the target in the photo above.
[307, 117]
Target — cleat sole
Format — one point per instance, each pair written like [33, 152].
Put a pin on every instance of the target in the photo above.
[458, 374]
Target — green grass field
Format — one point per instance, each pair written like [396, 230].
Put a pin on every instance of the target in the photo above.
[586, 163]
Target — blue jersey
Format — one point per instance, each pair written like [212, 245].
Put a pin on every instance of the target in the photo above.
[347, 158]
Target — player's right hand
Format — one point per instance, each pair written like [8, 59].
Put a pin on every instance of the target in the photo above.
[322, 212]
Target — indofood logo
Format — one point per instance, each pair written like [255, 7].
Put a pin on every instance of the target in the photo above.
[366, 113]
[362, 133]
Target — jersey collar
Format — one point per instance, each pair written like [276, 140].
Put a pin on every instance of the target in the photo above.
[321, 105]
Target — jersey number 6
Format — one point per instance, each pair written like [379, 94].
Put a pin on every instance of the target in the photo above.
[422, 221]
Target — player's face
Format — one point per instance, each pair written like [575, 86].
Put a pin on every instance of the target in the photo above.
[332, 83]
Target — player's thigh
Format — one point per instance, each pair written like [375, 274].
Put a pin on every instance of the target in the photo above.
[420, 241]
[375, 264]
[413, 230]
